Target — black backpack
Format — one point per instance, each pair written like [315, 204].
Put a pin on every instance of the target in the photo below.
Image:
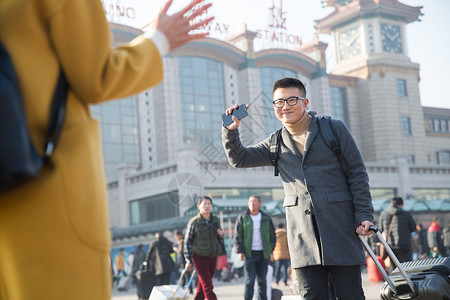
[19, 160]
[328, 136]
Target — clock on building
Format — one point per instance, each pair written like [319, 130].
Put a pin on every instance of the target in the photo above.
[391, 38]
[349, 44]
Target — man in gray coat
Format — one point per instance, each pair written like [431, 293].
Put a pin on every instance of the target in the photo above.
[324, 208]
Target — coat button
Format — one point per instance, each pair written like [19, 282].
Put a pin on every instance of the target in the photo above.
[306, 193]
[305, 167]
[307, 212]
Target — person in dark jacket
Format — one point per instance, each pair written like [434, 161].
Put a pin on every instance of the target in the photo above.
[139, 258]
[254, 239]
[424, 250]
[434, 239]
[446, 238]
[202, 245]
[402, 225]
[159, 254]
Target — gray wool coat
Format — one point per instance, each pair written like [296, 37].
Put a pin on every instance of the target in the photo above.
[315, 182]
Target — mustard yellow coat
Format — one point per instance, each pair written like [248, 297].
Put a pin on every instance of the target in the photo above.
[54, 233]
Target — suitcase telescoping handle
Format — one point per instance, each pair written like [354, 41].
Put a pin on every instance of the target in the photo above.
[181, 280]
[392, 257]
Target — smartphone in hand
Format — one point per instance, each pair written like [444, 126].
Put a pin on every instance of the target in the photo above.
[240, 113]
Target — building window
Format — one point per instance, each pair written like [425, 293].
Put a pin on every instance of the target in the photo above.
[338, 102]
[268, 76]
[444, 125]
[154, 208]
[406, 125]
[443, 157]
[401, 88]
[120, 133]
[202, 100]
[439, 125]
[431, 194]
[411, 159]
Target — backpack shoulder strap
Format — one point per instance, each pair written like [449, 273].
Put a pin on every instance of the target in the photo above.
[329, 137]
[275, 141]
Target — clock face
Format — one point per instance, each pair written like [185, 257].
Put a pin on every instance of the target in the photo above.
[349, 44]
[391, 38]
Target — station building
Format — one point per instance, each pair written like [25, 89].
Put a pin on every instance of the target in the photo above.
[162, 147]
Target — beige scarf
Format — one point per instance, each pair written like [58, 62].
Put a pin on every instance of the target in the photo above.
[298, 131]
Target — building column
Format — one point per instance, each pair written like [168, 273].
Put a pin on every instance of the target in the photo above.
[404, 188]
[124, 208]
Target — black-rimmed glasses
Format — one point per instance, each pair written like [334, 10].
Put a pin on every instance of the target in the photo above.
[291, 101]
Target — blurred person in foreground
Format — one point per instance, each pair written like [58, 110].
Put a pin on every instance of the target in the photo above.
[324, 207]
[63, 212]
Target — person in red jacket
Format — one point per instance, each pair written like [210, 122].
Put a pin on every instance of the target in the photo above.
[435, 240]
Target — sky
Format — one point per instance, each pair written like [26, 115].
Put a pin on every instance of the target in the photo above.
[426, 44]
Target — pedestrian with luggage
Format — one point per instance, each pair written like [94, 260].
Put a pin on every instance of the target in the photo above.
[159, 253]
[324, 206]
[397, 225]
[202, 245]
[120, 265]
[254, 239]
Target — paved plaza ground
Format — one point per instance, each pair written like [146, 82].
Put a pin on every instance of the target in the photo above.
[234, 290]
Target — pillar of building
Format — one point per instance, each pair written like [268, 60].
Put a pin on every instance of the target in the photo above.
[404, 188]
[319, 89]
[124, 208]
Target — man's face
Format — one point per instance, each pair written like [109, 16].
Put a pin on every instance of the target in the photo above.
[205, 206]
[289, 114]
[253, 205]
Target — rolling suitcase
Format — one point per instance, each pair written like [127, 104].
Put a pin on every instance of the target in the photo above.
[172, 292]
[426, 279]
[124, 283]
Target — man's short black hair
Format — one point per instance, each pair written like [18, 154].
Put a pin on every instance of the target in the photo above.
[204, 198]
[281, 225]
[289, 82]
[397, 201]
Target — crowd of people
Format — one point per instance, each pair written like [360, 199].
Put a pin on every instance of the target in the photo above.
[258, 244]
[408, 240]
